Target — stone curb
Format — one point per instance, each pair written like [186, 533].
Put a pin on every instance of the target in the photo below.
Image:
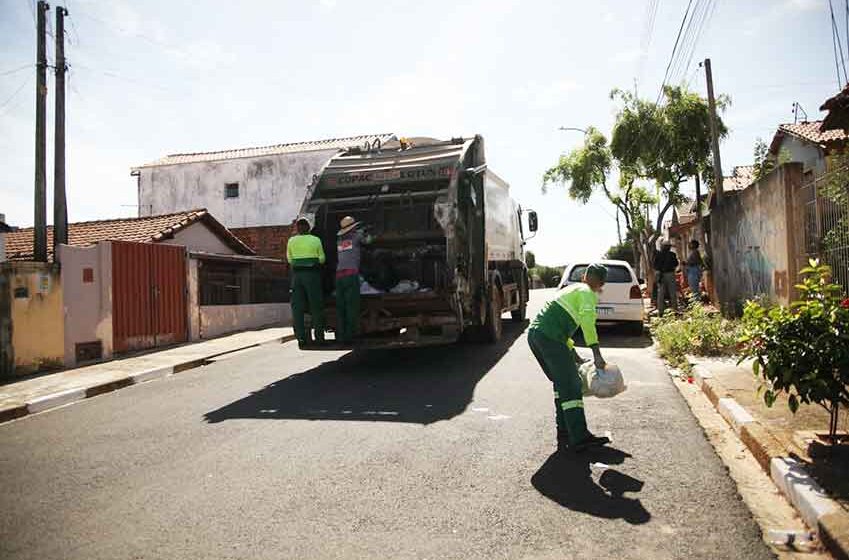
[790, 477]
[62, 398]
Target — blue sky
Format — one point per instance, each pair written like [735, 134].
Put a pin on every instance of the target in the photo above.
[150, 78]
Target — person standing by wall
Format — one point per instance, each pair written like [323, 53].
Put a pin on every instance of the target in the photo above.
[665, 264]
[349, 242]
[693, 269]
[306, 255]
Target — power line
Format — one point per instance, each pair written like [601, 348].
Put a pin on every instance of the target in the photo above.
[18, 69]
[14, 94]
[837, 46]
[674, 49]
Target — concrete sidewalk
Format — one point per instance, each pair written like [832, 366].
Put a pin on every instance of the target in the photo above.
[818, 488]
[44, 392]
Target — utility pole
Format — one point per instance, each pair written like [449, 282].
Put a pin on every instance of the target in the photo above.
[60, 209]
[40, 223]
[714, 134]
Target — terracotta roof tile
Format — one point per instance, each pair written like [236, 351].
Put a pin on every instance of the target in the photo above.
[808, 131]
[741, 177]
[295, 147]
[149, 229]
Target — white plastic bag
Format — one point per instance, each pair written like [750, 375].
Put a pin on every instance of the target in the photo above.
[586, 371]
[607, 382]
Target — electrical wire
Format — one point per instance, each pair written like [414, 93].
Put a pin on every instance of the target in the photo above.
[674, 49]
[14, 94]
[18, 69]
[837, 47]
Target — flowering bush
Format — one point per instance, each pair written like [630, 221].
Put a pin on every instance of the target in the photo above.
[803, 351]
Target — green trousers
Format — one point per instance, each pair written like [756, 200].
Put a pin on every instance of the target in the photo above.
[347, 307]
[307, 296]
[558, 362]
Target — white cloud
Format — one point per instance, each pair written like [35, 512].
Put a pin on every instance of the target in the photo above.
[327, 4]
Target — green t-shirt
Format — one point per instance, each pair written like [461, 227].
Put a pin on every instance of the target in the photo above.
[574, 308]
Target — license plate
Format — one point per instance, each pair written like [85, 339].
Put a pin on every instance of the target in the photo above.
[602, 311]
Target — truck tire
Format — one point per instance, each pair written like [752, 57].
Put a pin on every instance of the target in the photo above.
[519, 315]
[493, 326]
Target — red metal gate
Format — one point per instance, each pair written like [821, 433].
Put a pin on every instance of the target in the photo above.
[148, 295]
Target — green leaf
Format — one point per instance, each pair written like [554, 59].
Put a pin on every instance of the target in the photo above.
[756, 367]
[793, 403]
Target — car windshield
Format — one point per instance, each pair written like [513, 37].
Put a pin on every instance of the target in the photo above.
[616, 274]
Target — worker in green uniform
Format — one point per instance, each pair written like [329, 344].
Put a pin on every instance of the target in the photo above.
[306, 255]
[550, 339]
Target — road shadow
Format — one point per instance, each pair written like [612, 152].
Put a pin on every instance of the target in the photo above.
[566, 478]
[417, 385]
[616, 336]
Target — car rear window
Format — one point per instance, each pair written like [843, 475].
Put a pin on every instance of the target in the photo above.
[616, 274]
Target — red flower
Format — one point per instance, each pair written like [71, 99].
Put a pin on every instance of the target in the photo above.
[845, 303]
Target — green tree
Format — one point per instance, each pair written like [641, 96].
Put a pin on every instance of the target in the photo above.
[660, 145]
[622, 252]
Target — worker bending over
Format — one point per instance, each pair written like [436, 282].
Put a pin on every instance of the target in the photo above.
[550, 339]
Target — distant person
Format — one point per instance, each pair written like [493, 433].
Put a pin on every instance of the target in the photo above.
[550, 339]
[693, 269]
[665, 263]
[349, 242]
[305, 256]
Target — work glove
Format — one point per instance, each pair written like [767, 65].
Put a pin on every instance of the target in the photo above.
[597, 359]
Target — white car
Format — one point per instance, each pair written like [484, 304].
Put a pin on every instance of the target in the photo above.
[620, 300]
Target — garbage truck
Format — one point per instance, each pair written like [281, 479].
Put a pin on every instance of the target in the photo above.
[446, 259]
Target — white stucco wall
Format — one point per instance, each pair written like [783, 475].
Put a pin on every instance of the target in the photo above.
[198, 237]
[809, 155]
[87, 305]
[271, 188]
[216, 320]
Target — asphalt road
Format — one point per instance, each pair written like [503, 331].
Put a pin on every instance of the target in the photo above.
[430, 453]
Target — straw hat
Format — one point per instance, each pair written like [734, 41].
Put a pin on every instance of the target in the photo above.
[347, 224]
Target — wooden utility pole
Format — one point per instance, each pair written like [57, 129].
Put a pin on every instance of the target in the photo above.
[60, 209]
[714, 134]
[40, 222]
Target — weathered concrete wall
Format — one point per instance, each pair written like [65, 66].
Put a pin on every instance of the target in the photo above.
[2, 247]
[194, 301]
[216, 320]
[271, 188]
[198, 237]
[7, 349]
[87, 287]
[37, 316]
[753, 240]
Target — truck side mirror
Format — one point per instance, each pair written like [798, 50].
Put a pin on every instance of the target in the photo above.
[533, 221]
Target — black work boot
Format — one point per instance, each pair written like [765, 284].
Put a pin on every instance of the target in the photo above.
[562, 439]
[589, 442]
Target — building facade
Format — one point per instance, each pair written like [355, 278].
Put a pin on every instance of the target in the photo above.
[248, 190]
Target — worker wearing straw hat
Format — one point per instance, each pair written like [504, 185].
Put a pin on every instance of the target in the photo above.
[349, 243]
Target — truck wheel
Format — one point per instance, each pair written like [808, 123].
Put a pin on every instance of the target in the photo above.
[519, 315]
[492, 326]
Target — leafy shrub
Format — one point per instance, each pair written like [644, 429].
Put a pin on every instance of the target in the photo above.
[803, 350]
[698, 331]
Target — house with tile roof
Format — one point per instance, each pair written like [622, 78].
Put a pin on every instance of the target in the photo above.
[256, 192]
[806, 143]
[129, 284]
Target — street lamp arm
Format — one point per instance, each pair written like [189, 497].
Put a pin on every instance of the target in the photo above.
[573, 128]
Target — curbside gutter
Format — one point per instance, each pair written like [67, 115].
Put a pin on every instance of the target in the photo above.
[789, 475]
[70, 396]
